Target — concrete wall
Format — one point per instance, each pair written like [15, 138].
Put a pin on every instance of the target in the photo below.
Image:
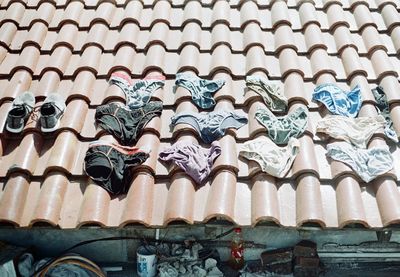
[51, 242]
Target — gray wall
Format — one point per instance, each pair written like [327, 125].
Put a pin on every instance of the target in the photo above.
[50, 241]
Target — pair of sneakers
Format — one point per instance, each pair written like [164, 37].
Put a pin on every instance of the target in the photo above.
[50, 112]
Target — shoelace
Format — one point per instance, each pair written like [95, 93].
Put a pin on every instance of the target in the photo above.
[36, 110]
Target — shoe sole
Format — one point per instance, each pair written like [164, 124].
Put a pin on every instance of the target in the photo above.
[49, 130]
[13, 130]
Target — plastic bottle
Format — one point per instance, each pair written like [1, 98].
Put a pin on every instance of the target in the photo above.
[236, 260]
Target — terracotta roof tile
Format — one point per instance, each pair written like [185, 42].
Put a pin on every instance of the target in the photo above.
[73, 47]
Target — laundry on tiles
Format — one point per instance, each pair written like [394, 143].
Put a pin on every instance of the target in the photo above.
[367, 163]
[195, 160]
[126, 124]
[201, 90]
[272, 95]
[357, 131]
[109, 165]
[272, 159]
[137, 94]
[210, 126]
[337, 101]
[281, 129]
[50, 112]
[383, 109]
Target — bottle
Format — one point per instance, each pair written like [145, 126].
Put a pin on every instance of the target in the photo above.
[236, 260]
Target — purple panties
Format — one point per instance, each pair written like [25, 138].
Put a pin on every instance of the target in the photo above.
[195, 160]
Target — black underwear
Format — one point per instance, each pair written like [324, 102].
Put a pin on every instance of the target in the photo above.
[125, 124]
[109, 164]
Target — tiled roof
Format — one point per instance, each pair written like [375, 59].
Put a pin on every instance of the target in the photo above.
[73, 47]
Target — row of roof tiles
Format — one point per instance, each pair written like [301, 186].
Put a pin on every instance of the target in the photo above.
[261, 4]
[239, 41]
[221, 13]
[70, 65]
[255, 57]
[58, 200]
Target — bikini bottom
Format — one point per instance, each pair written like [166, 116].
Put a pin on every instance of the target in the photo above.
[210, 126]
[195, 160]
[271, 93]
[281, 129]
[201, 89]
[337, 101]
[109, 165]
[272, 159]
[384, 110]
[124, 124]
[367, 163]
[357, 131]
[139, 93]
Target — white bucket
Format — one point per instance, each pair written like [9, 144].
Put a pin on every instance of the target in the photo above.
[146, 261]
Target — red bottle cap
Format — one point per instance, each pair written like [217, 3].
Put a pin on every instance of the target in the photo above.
[238, 230]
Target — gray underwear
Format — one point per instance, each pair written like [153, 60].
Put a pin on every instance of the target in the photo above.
[137, 94]
[367, 163]
[281, 129]
[210, 126]
[383, 109]
[201, 89]
[271, 93]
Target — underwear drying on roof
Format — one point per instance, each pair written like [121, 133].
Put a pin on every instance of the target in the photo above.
[338, 101]
[195, 160]
[200, 89]
[383, 109]
[357, 131]
[125, 124]
[281, 129]
[109, 165]
[367, 163]
[271, 93]
[272, 159]
[210, 126]
[137, 94]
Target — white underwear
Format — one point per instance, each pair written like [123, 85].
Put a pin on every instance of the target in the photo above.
[272, 159]
[357, 131]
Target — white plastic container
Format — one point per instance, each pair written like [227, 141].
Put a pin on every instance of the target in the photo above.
[146, 261]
